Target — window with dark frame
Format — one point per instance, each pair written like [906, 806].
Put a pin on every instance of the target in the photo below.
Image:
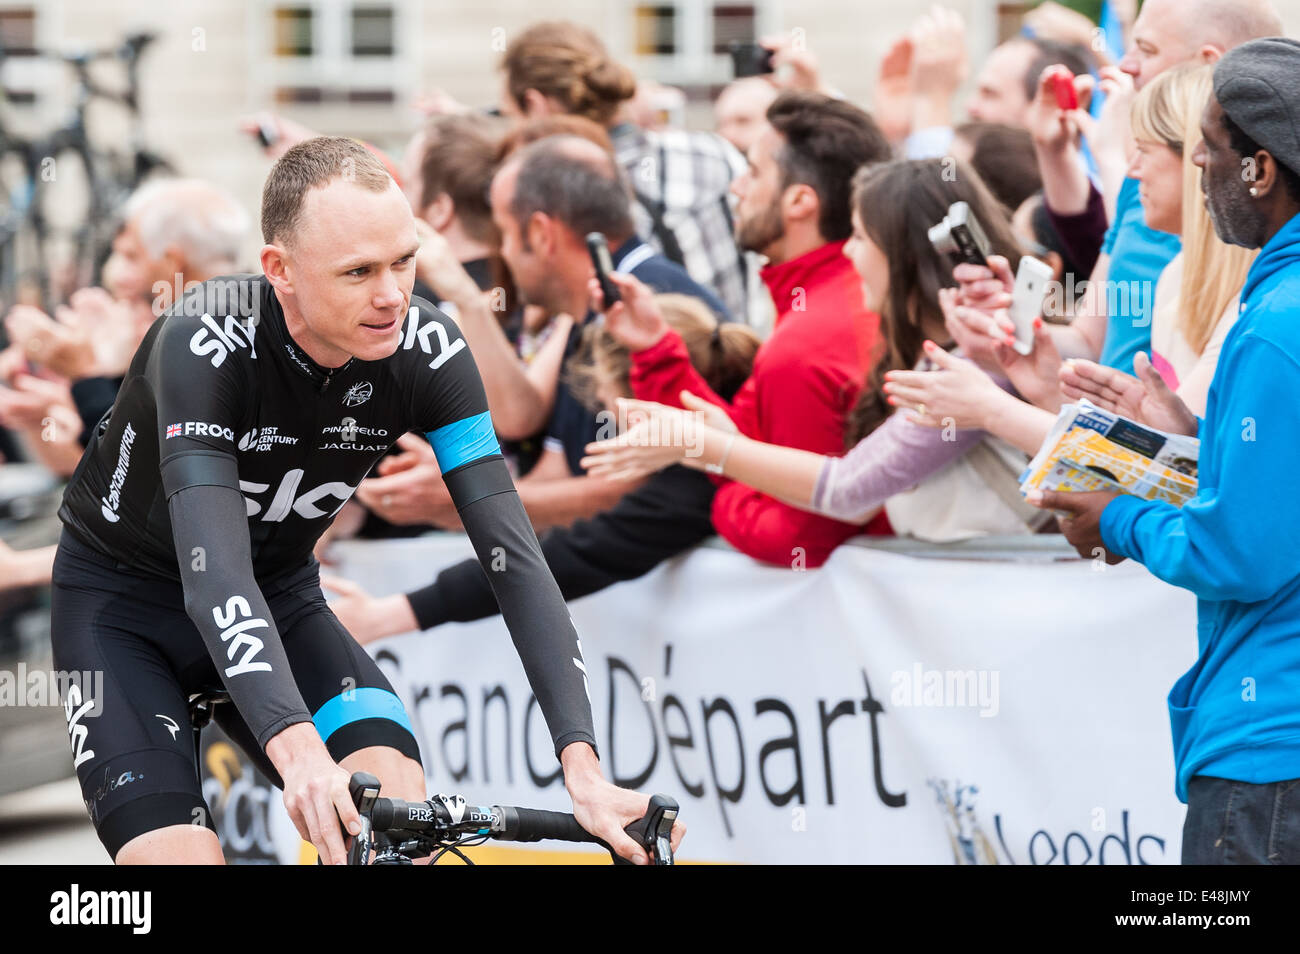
[18, 41]
[733, 23]
[656, 30]
[369, 34]
[294, 28]
[372, 31]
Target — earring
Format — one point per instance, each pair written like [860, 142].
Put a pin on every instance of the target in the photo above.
[1254, 191]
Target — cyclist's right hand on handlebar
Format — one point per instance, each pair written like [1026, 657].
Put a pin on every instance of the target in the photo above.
[605, 809]
[315, 790]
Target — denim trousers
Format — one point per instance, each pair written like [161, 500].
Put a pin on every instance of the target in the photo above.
[1239, 823]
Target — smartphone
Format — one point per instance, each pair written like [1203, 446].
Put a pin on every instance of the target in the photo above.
[749, 59]
[1032, 277]
[1063, 87]
[599, 250]
[266, 133]
[960, 234]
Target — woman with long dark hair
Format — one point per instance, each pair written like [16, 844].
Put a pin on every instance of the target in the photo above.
[938, 484]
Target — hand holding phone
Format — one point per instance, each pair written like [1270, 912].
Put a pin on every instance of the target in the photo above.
[600, 258]
[1027, 300]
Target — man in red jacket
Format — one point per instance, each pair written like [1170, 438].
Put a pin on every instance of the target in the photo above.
[794, 209]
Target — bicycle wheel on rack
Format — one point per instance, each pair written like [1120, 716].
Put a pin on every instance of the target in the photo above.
[70, 204]
[23, 277]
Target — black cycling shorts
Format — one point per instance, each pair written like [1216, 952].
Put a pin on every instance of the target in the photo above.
[133, 746]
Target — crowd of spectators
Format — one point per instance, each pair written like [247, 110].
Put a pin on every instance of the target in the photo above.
[783, 302]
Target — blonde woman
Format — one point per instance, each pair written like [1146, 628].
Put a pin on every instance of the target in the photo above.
[1195, 304]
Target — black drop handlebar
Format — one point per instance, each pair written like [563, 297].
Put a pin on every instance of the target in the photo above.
[404, 830]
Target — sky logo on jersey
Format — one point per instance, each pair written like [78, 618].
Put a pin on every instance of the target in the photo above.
[199, 429]
[235, 623]
[417, 332]
[113, 500]
[287, 500]
[217, 343]
[359, 393]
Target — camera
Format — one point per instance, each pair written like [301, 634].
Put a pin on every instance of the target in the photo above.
[749, 59]
[960, 234]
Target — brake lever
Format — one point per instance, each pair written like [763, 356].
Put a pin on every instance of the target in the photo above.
[653, 831]
[364, 789]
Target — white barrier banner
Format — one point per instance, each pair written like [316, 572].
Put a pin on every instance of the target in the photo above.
[885, 708]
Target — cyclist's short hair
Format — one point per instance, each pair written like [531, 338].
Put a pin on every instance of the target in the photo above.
[310, 165]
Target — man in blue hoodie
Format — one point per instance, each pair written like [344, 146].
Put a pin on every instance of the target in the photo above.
[1235, 714]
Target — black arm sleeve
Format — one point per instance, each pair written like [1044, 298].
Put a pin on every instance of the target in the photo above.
[530, 601]
[210, 529]
[449, 405]
[667, 514]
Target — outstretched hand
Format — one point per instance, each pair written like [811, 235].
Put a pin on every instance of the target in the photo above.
[1146, 398]
[956, 393]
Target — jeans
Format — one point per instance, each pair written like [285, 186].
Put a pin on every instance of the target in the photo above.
[1238, 823]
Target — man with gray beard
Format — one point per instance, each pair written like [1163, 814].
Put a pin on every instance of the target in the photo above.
[1236, 713]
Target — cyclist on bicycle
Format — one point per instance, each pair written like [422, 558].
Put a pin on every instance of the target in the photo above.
[247, 418]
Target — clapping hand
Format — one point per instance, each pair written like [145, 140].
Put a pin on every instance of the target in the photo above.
[1146, 398]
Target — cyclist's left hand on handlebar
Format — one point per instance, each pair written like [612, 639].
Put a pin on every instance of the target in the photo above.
[605, 809]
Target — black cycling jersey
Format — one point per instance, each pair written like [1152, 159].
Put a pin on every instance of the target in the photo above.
[222, 416]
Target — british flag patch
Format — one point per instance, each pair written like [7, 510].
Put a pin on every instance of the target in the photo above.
[173, 430]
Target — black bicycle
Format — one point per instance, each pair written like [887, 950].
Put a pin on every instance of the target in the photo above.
[47, 252]
[396, 832]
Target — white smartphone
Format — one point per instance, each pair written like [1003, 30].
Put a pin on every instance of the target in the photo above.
[1027, 299]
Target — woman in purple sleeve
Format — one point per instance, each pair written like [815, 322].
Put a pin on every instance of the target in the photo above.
[937, 484]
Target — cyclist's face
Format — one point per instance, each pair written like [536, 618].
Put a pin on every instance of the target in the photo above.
[350, 269]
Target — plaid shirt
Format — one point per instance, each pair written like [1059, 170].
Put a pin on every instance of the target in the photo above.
[681, 182]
